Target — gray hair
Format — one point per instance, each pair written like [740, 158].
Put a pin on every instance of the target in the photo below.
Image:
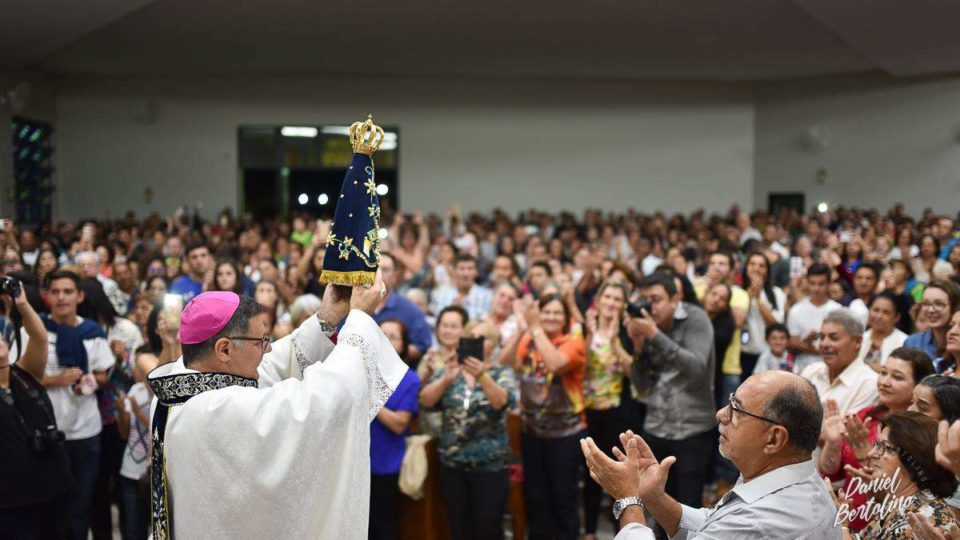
[845, 318]
[303, 307]
[87, 255]
[413, 291]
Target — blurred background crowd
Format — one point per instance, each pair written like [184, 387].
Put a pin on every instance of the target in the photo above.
[581, 325]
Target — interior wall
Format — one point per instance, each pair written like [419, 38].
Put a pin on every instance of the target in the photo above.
[878, 141]
[513, 144]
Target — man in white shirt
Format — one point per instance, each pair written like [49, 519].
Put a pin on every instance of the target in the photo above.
[769, 430]
[842, 376]
[78, 362]
[806, 317]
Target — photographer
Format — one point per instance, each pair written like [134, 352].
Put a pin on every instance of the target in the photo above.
[33, 460]
[675, 368]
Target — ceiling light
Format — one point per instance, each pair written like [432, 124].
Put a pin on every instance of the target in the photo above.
[335, 130]
[323, 199]
[298, 131]
[302, 199]
[382, 189]
[823, 207]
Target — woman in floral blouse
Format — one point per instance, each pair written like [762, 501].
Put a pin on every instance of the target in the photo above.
[475, 397]
[848, 439]
[451, 324]
[903, 480]
[607, 362]
[550, 361]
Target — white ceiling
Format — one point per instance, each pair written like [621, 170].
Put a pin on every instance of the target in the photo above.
[736, 40]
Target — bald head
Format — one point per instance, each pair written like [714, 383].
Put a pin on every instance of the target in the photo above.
[793, 402]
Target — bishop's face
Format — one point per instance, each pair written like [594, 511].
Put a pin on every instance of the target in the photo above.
[245, 355]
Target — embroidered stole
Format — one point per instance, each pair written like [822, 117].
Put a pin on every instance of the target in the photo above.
[171, 391]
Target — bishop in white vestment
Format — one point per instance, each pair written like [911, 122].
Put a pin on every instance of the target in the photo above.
[277, 448]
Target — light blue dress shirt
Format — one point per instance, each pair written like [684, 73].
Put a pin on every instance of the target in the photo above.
[788, 503]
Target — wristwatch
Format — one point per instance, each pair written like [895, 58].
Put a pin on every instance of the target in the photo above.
[621, 504]
[326, 327]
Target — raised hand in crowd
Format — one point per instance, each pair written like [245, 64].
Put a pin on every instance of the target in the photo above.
[856, 432]
[923, 529]
[590, 320]
[948, 446]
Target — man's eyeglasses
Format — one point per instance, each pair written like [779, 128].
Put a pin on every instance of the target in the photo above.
[882, 447]
[734, 408]
[264, 341]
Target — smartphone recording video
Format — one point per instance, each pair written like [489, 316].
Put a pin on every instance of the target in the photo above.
[470, 347]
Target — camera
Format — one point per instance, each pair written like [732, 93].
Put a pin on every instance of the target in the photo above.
[43, 440]
[636, 309]
[10, 286]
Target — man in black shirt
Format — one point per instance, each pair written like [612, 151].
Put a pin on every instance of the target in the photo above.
[33, 462]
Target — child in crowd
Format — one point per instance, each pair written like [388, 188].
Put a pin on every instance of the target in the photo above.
[776, 355]
[134, 424]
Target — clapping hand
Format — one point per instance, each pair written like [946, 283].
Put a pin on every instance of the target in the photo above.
[320, 233]
[948, 446]
[832, 427]
[451, 367]
[922, 527]
[856, 434]
[653, 473]
[519, 313]
[865, 473]
[620, 478]
[756, 287]
[591, 321]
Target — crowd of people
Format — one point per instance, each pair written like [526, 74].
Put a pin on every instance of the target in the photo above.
[592, 326]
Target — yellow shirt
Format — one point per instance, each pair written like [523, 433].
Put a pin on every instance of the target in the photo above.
[739, 299]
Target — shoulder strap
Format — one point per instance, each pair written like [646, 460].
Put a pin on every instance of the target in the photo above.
[162, 512]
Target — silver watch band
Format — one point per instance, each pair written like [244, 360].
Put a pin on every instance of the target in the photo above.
[621, 504]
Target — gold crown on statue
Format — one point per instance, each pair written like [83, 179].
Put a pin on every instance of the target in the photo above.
[366, 136]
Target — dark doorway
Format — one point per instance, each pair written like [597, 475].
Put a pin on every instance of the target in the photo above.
[288, 170]
[791, 201]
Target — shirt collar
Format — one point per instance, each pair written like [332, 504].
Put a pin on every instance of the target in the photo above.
[849, 375]
[681, 312]
[774, 480]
